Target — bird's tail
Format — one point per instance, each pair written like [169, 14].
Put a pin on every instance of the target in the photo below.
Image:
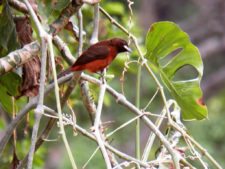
[63, 73]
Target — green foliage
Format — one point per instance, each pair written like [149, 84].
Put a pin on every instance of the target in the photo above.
[9, 84]
[9, 41]
[5, 100]
[2, 124]
[114, 8]
[52, 9]
[163, 39]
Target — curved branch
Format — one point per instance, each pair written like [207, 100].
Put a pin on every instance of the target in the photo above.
[19, 57]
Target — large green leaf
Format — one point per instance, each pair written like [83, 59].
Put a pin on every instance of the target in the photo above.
[163, 40]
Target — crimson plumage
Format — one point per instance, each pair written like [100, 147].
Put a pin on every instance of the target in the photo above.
[100, 55]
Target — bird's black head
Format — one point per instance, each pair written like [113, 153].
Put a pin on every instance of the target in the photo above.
[120, 44]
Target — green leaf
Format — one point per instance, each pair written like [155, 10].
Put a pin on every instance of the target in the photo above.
[52, 9]
[8, 38]
[163, 40]
[2, 124]
[5, 99]
[11, 82]
[114, 8]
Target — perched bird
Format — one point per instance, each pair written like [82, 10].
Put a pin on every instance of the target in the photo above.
[98, 56]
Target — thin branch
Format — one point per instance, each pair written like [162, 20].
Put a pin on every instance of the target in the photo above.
[80, 22]
[88, 100]
[64, 50]
[39, 109]
[97, 124]
[196, 153]
[125, 124]
[38, 25]
[91, 136]
[94, 36]
[91, 157]
[151, 137]
[8, 133]
[203, 151]
[64, 17]
[62, 131]
[44, 134]
[85, 93]
[20, 6]
[150, 101]
[91, 2]
[32, 103]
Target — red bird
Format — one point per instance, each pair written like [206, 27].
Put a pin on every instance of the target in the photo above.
[100, 55]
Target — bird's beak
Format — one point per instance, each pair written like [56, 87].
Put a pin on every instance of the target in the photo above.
[127, 48]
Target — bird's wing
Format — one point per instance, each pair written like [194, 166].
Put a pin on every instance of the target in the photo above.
[95, 52]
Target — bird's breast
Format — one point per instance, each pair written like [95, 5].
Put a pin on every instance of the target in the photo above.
[112, 54]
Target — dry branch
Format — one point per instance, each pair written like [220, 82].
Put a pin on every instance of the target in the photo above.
[19, 57]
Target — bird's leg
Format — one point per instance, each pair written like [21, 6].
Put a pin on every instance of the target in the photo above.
[102, 76]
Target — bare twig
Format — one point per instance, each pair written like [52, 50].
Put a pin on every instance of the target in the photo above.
[88, 102]
[94, 36]
[97, 122]
[91, 136]
[80, 21]
[32, 103]
[8, 133]
[64, 50]
[64, 17]
[44, 134]
[97, 125]
[62, 131]
[203, 151]
[196, 153]
[19, 6]
[91, 2]
[39, 109]
[152, 136]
